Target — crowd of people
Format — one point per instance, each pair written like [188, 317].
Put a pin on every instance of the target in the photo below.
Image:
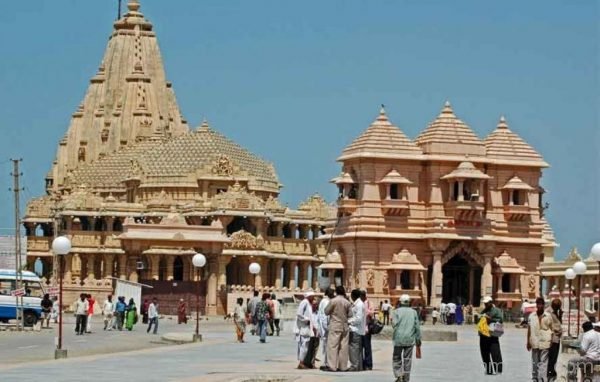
[116, 315]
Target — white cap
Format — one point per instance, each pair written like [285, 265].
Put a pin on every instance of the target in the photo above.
[404, 298]
[487, 299]
[308, 294]
[596, 324]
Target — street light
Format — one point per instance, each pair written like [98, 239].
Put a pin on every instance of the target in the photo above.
[579, 268]
[60, 246]
[254, 268]
[569, 275]
[596, 256]
[199, 260]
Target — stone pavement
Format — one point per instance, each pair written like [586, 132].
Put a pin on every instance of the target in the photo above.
[218, 358]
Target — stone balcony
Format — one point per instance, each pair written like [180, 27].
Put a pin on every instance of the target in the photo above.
[95, 239]
[38, 243]
[300, 247]
[466, 210]
[395, 207]
[516, 213]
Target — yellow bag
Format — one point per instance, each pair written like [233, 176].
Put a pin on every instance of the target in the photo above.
[483, 327]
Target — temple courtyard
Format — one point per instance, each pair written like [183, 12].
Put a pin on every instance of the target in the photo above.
[137, 356]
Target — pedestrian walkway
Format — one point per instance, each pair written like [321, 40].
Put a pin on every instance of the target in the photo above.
[219, 358]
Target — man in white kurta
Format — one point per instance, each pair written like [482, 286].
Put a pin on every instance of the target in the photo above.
[302, 329]
[324, 323]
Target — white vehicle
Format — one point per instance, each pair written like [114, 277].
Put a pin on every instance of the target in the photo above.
[32, 299]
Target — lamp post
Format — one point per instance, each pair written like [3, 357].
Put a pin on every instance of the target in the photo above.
[569, 275]
[199, 260]
[60, 246]
[579, 268]
[254, 268]
[596, 256]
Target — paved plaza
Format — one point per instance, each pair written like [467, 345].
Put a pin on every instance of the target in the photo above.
[137, 356]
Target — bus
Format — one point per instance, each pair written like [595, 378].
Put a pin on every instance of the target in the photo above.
[32, 308]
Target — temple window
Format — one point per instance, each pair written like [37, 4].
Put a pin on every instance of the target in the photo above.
[272, 229]
[516, 192]
[85, 223]
[81, 154]
[117, 225]
[238, 223]
[99, 224]
[352, 192]
[178, 269]
[287, 232]
[506, 282]
[405, 279]
[394, 191]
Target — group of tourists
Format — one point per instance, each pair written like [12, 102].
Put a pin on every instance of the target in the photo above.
[116, 315]
[263, 315]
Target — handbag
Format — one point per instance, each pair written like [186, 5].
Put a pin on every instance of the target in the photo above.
[375, 327]
[496, 329]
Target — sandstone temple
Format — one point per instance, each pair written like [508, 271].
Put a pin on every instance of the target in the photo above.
[448, 216]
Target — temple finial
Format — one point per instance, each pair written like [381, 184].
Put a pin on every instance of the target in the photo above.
[447, 109]
[502, 123]
[133, 5]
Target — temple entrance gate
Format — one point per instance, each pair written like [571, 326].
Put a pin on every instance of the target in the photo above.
[462, 270]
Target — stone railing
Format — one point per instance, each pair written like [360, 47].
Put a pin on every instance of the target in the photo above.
[95, 239]
[290, 246]
[38, 244]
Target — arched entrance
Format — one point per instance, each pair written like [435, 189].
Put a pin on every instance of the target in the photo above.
[461, 278]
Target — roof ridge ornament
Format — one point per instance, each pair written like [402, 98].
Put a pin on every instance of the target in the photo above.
[502, 123]
[447, 109]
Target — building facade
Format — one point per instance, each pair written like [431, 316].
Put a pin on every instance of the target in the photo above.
[446, 217]
[139, 194]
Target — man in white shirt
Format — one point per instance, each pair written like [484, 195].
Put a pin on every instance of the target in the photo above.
[324, 323]
[153, 316]
[107, 312]
[386, 307]
[589, 351]
[81, 314]
[357, 325]
[539, 338]
[451, 313]
[303, 329]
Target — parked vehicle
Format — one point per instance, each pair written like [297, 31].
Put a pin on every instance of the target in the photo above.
[32, 309]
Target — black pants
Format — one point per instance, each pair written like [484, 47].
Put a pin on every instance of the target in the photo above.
[552, 357]
[367, 352]
[80, 323]
[386, 317]
[311, 354]
[490, 354]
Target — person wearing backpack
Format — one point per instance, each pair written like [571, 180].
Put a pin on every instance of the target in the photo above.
[263, 312]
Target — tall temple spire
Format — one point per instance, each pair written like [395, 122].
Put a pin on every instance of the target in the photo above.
[127, 101]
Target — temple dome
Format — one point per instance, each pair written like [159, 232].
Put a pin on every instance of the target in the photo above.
[504, 144]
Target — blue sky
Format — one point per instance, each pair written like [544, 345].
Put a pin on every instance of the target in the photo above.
[295, 82]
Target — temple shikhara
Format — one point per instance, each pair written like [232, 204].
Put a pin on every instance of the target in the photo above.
[445, 217]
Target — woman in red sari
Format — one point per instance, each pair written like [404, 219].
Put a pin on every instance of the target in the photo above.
[181, 313]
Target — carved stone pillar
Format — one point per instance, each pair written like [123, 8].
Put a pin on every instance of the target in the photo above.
[499, 283]
[314, 282]
[211, 300]
[331, 276]
[486, 277]
[123, 266]
[303, 280]
[91, 265]
[109, 259]
[292, 273]
[68, 267]
[170, 261]
[154, 266]
[293, 230]
[436, 279]
[279, 229]
[223, 262]
[278, 281]
[109, 223]
[461, 196]
[415, 282]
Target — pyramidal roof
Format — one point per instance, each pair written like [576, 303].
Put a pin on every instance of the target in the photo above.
[449, 135]
[503, 143]
[382, 140]
[128, 100]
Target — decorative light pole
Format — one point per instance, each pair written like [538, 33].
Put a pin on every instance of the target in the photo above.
[254, 268]
[199, 260]
[60, 246]
[579, 268]
[596, 256]
[569, 275]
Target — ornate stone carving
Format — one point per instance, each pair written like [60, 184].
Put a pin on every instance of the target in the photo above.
[532, 284]
[82, 199]
[81, 154]
[223, 166]
[237, 197]
[384, 278]
[465, 250]
[245, 240]
[370, 278]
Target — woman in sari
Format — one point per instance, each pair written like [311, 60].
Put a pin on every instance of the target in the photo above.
[239, 320]
[131, 315]
[181, 312]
